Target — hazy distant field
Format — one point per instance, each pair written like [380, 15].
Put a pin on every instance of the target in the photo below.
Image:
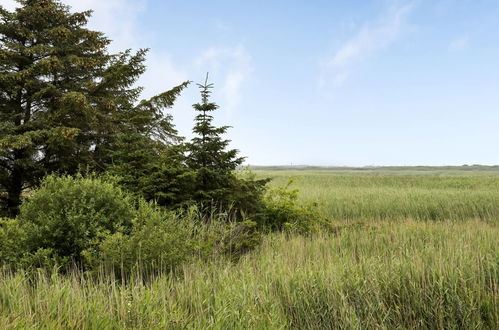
[408, 250]
[397, 193]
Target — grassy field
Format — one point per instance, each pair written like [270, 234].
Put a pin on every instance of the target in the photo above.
[397, 194]
[386, 264]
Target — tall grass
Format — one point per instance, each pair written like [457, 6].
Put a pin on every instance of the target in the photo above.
[397, 197]
[381, 265]
[375, 275]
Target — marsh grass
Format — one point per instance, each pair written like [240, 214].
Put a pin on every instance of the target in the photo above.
[363, 275]
[403, 251]
[371, 196]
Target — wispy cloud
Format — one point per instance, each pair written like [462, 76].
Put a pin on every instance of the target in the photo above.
[459, 44]
[372, 38]
[229, 67]
[119, 19]
[163, 73]
[233, 67]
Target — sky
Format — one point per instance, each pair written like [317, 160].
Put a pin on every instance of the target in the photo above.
[325, 82]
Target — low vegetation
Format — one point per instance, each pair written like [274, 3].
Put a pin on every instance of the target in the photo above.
[363, 275]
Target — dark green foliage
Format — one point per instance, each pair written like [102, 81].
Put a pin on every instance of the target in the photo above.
[67, 216]
[216, 182]
[152, 170]
[64, 98]
[91, 223]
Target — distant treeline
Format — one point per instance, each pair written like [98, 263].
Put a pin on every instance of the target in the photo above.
[483, 168]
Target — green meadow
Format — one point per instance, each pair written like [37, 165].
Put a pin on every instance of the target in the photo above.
[420, 193]
[405, 250]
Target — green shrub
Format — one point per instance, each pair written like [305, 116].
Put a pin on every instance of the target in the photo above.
[283, 211]
[68, 215]
[245, 195]
[158, 242]
[12, 242]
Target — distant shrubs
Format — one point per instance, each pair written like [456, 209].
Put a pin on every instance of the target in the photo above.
[283, 211]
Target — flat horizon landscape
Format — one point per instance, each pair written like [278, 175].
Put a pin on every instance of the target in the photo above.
[410, 249]
[127, 201]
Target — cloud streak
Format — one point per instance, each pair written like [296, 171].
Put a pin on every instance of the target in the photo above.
[371, 39]
[117, 18]
[233, 67]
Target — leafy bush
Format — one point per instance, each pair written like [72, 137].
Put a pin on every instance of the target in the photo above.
[245, 195]
[158, 242]
[68, 215]
[283, 211]
[12, 242]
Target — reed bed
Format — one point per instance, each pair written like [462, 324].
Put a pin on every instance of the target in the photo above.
[393, 197]
[377, 275]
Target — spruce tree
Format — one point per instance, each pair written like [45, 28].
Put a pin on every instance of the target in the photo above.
[217, 183]
[64, 98]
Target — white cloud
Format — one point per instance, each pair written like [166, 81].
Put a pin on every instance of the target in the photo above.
[162, 74]
[8, 4]
[229, 67]
[117, 18]
[372, 38]
[120, 21]
[233, 67]
[459, 44]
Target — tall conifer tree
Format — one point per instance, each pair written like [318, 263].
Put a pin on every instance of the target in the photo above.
[64, 98]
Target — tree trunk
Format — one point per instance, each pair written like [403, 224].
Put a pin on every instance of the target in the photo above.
[15, 188]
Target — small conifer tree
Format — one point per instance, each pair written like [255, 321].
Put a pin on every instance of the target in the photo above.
[216, 182]
[208, 154]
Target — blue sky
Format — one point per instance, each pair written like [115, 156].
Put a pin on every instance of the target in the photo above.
[372, 82]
